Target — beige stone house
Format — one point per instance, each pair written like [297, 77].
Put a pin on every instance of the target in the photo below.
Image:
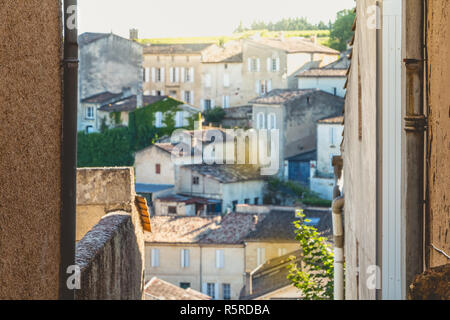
[274, 63]
[222, 79]
[174, 70]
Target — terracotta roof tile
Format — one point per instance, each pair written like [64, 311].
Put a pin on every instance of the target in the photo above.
[295, 45]
[182, 48]
[157, 289]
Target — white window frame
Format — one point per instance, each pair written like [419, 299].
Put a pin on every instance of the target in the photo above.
[272, 121]
[87, 113]
[226, 291]
[211, 290]
[158, 119]
[260, 120]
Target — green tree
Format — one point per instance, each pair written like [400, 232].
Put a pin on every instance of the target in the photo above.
[215, 115]
[341, 30]
[314, 277]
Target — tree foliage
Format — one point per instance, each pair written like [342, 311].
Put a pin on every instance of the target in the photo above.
[286, 24]
[116, 146]
[215, 115]
[341, 30]
[314, 277]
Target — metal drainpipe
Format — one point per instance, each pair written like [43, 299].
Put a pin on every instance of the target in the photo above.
[69, 148]
[415, 124]
[338, 233]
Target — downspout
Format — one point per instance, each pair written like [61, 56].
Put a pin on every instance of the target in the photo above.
[69, 148]
[338, 234]
[415, 124]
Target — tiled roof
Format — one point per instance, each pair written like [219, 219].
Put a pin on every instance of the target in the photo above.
[323, 73]
[233, 229]
[157, 289]
[102, 97]
[168, 147]
[295, 45]
[333, 120]
[231, 52]
[280, 96]
[130, 103]
[278, 225]
[89, 37]
[182, 48]
[177, 229]
[228, 173]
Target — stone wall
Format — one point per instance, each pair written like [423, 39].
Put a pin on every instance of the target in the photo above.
[439, 130]
[110, 260]
[30, 144]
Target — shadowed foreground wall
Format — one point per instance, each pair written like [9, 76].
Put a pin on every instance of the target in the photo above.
[30, 138]
[110, 261]
[439, 129]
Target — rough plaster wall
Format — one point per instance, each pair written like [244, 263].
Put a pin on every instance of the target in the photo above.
[145, 163]
[439, 124]
[360, 164]
[111, 261]
[30, 138]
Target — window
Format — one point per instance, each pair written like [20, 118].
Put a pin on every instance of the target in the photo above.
[158, 74]
[174, 74]
[211, 290]
[159, 93]
[335, 91]
[207, 104]
[196, 180]
[185, 285]
[226, 66]
[254, 64]
[272, 121]
[173, 93]
[226, 291]
[226, 80]
[260, 121]
[90, 113]
[179, 119]
[260, 256]
[282, 251]
[188, 74]
[158, 168]
[264, 86]
[158, 120]
[155, 258]
[188, 96]
[273, 64]
[256, 200]
[235, 203]
[226, 102]
[247, 201]
[185, 258]
[220, 259]
[89, 129]
[172, 210]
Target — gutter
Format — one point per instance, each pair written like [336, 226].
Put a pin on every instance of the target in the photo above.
[338, 233]
[68, 148]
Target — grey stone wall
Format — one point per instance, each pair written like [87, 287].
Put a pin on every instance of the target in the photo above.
[110, 260]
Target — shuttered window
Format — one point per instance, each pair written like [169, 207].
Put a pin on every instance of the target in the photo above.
[184, 258]
[220, 259]
[155, 258]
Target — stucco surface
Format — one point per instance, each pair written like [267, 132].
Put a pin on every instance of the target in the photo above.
[439, 129]
[30, 139]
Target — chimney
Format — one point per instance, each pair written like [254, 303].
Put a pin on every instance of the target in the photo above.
[134, 34]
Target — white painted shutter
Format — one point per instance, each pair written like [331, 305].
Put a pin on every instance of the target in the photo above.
[155, 258]
[261, 256]
[172, 80]
[192, 74]
[258, 64]
[205, 288]
[269, 64]
[153, 92]
[163, 75]
[213, 103]
[269, 86]
[258, 87]
[183, 74]
[192, 98]
[249, 65]
[220, 259]
[153, 74]
[278, 64]
[182, 258]
[162, 92]
[177, 74]
[202, 104]
[147, 74]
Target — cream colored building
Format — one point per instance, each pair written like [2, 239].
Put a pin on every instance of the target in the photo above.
[174, 70]
[274, 63]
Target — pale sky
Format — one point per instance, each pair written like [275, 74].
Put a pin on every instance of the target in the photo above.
[188, 18]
